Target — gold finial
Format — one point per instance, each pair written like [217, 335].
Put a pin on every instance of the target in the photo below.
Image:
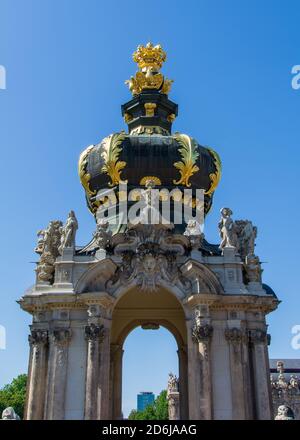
[149, 59]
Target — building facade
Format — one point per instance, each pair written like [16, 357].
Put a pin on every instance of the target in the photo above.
[144, 399]
[211, 297]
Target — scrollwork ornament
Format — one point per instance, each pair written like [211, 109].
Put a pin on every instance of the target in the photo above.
[187, 166]
[111, 149]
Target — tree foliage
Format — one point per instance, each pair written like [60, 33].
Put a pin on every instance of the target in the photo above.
[158, 410]
[14, 395]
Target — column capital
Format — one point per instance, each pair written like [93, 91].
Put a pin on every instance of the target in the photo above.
[94, 332]
[258, 336]
[38, 337]
[61, 336]
[202, 332]
[235, 335]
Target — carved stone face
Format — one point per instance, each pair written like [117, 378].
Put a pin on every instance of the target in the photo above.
[149, 263]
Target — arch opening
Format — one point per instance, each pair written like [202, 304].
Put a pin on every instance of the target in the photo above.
[142, 317]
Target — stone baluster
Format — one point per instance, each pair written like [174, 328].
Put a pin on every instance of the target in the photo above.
[199, 368]
[38, 340]
[94, 335]
[258, 341]
[57, 373]
[236, 338]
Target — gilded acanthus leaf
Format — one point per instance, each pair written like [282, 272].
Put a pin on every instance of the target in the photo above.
[214, 177]
[110, 154]
[189, 154]
[83, 175]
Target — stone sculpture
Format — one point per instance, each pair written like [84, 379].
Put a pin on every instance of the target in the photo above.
[246, 234]
[194, 233]
[227, 230]
[173, 397]
[253, 268]
[10, 414]
[102, 235]
[173, 383]
[284, 413]
[68, 232]
[48, 248]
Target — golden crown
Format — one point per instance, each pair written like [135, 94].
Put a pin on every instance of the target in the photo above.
[149, 56]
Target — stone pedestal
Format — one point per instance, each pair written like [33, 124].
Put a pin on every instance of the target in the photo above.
[173, 405]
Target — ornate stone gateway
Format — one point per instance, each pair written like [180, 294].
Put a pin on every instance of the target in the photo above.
[145, 273]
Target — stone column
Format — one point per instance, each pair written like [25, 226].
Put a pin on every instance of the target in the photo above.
[57, 373]
[104, 388]
[183, 382]
[199, 369]
[38, 340]
[235, 338]
[94, 335]
[116, 380]
[97, 404]
[258, 341]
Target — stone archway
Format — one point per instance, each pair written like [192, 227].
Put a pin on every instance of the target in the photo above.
[149, 310]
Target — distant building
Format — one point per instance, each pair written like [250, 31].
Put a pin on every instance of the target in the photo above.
[144, 399]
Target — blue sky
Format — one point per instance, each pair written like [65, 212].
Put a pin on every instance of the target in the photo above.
[66, 62]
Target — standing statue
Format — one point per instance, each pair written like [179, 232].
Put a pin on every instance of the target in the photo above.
[10, 414]
[68, 232]
[227, 230]
[48, 248]
[284, 413]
